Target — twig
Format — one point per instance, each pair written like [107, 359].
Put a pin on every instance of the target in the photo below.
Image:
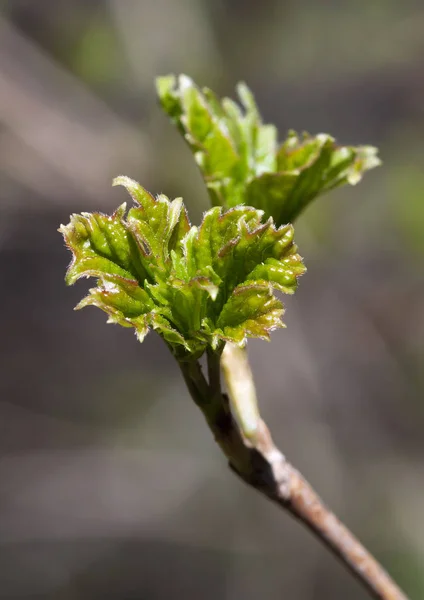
[261, 465]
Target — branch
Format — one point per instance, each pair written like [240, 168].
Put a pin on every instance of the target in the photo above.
[259, 463]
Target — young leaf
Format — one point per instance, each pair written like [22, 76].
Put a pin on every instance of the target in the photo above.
[196, 286]
[251, 310]
[240, 158]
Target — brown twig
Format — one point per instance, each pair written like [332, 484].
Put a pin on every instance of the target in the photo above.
[261, 465]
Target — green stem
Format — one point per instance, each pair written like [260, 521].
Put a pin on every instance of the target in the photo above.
[214, 372]
[215, 408]
[207, 396]
[195, 381]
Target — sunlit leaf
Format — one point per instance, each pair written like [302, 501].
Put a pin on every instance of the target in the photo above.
[195, 286]
[251, 310]
[241, 160]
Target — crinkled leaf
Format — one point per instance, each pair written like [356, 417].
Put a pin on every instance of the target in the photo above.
[282, 274]
[101, 243]
[195, 286]
[155, 224]
[251, 310]
[124, 301]
[240, 158]
[318, 165]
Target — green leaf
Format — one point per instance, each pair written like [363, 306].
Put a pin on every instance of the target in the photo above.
[240, 158]
[251, 310]
[123, 300]
[100, 243]
[195, 286]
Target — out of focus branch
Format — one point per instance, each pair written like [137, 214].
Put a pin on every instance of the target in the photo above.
[76, 139]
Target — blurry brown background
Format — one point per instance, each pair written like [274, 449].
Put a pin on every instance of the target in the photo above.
[110, 484]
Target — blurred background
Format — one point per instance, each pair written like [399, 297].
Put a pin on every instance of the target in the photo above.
[110, 484]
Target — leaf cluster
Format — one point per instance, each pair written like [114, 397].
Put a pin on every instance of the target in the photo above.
[196, 286]
[241, 160]
[200, 287]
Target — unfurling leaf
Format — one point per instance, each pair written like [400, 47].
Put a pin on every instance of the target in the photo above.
[196, 286]
[241, 160]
